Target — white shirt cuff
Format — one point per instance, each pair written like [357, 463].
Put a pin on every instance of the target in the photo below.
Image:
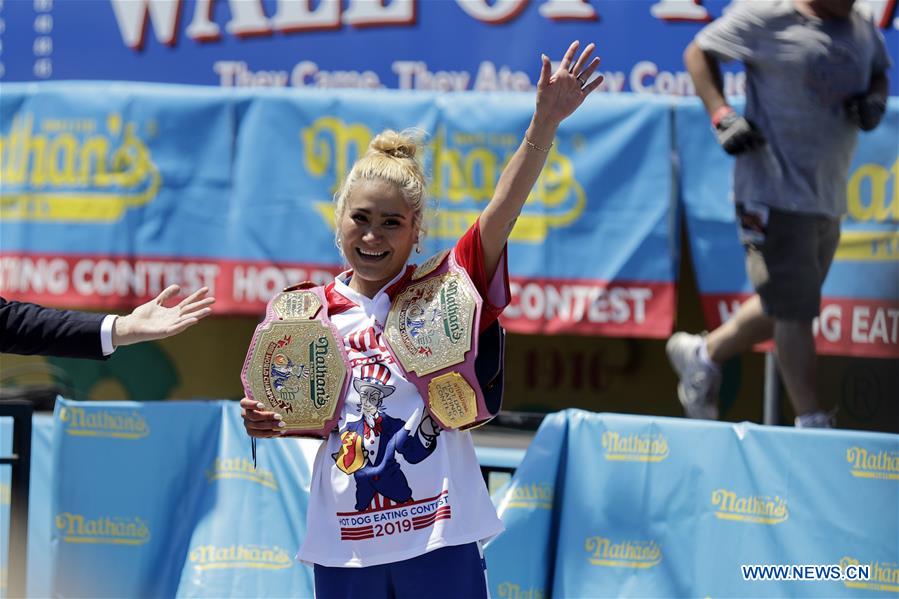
[106, 334]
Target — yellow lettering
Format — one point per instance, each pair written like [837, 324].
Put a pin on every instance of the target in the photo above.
[68, 174]
[464, 176]
[93, 160]
[327, 143]
[61, 163]
[872, 206]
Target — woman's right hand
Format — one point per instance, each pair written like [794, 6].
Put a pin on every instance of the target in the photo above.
[259, 422]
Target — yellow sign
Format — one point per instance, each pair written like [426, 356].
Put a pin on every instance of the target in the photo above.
[81, 422]
[112, 530]
[213, 557]
[870, 246]
[465, 172]
[867, 191]
[623, 554]
[532, 496]
[752, 508]
[882, 576]
[865, 464]
[513, 590]
[69, 171]
[634, 447]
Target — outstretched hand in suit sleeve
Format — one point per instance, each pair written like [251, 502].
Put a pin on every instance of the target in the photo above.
[154, 320]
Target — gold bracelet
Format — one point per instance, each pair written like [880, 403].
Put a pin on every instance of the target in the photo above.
[536, 147]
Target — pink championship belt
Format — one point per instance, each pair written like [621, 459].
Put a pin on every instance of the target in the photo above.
[432, 330]
[296, 364]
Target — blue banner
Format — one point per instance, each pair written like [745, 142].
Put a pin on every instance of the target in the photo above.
[161, 499]
[860, 304]
[450, 45]
[643, 510]
[112, 192]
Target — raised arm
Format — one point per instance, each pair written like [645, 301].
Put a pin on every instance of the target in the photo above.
[558, 95]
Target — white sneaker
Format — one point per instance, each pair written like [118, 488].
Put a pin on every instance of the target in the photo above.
[699, 382]
[817, 419]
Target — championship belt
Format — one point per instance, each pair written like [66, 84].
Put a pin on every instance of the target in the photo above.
[431, 328]
[295, 365]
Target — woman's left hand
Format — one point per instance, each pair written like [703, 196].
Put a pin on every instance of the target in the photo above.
[559, 94]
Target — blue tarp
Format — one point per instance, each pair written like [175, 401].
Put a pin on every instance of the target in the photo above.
[161, 499]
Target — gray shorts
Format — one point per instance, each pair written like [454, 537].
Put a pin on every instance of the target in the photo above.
[788, 255]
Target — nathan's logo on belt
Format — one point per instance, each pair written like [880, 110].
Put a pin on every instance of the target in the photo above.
[113, 530]
[431, 323]
[241, 468]
[865, 464]
[752, 508]
[82, 422]
[465, 168]
[882, 576]
[213, 557]
[449, 304]
[318, 353]
[512, 590]
[284, 374]
[634, 447]
[624, 554]
[70, 170]
[534, 495]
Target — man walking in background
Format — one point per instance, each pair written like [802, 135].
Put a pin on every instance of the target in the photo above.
[816, 74]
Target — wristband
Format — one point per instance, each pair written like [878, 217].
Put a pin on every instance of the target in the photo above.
[720, 113]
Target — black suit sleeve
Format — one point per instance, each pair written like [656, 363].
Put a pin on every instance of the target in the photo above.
[31, 329]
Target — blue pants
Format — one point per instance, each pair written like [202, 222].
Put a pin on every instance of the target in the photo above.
[454, 572]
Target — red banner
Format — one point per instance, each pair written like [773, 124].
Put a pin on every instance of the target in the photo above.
[856, 326]
[547, 306]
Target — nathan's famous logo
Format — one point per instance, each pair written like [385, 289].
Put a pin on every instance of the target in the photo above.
[318, 357]
[865, 464]
[213, 557]
[634, 447]
[114, 530]
[449, 305]
[623, 554]
[751, 508]
[223, 468]
[872, 196]
[74, 170]
[83, 422]
[286, 373]
[513, 590]
[882, 576]
[534, 495]
[465, 171]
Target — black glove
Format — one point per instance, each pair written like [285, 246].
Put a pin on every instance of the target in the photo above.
[866, 110]
[737, 135]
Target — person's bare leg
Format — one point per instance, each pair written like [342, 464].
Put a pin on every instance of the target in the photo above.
[795, 344]
[750, 325]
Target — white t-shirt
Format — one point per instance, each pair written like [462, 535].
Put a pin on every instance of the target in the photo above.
[387, 486]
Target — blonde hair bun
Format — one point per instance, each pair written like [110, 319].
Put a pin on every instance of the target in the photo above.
[397, 145]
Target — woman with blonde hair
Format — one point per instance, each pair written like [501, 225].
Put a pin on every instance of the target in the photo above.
[398, 507]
